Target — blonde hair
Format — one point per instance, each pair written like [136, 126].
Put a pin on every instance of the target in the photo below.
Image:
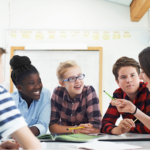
[63, 67]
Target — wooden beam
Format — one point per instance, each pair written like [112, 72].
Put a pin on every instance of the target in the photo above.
[138, 8]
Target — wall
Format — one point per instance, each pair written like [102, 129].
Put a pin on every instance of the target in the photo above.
[75, 15]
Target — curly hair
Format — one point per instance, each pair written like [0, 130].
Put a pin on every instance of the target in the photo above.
[21, 67]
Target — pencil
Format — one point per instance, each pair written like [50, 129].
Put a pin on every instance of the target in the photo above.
[109, 95]
[135, 120]
[75, 128]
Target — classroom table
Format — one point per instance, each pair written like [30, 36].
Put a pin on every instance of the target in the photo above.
[58, 145]
[142, 140]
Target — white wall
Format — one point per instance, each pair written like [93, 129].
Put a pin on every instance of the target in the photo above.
[74, 15]
[70, 14]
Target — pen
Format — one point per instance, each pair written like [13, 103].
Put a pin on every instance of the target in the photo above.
[75, 128]
[109, 95]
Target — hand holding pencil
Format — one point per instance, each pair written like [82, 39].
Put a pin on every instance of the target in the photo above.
[123, 105]
[82, 128]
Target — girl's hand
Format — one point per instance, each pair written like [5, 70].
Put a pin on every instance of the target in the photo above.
[117, 102]
[17, 143]
[124, 105]
[88, 129]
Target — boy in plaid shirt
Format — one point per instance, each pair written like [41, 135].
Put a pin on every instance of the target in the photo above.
[126, 71]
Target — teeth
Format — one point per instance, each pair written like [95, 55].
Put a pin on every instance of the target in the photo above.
[78, 86]
[37, 92]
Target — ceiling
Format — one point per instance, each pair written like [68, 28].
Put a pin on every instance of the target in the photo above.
[122, 2]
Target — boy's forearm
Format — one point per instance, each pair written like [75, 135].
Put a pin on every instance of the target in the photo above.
[116, 131]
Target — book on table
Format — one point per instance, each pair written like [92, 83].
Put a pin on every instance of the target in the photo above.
[67, 137]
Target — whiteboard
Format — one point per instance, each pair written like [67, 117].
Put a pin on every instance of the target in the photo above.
[47, 61]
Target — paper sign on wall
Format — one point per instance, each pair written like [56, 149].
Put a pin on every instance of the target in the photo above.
[39, 36]
[106, 36]
[75, 33]
[51, 34]
[86, 34]
[13, 34]
[126, 35]
[96, 35]
[26, 34]
[63, 34]
[116, 35]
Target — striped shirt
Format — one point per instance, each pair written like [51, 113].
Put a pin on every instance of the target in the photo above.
[83, 109]
[10, 117]
[142, 102]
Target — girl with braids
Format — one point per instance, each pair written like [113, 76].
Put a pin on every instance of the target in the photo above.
[31, 98]
[127, 106]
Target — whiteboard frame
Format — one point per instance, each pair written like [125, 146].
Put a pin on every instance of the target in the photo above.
[100, 49]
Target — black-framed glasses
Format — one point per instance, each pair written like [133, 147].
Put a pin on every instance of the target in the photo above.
[73, 79]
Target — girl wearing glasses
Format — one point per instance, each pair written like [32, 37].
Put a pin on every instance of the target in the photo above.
[73, 103]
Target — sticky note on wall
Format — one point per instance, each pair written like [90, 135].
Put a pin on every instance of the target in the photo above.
[39, 36]
[106, 36]
[126, 35]
[96, 35]
[26, 34]
[116, 35]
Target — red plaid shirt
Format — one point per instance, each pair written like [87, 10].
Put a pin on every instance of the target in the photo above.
[83, 109]
[142, 102]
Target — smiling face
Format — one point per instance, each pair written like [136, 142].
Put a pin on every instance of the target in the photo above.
[128, 80]
[31, 87]
[73, 88]
[145, 78]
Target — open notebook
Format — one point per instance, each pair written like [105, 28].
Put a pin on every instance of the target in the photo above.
[67, 137]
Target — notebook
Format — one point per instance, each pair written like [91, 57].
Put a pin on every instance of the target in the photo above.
[67, 137]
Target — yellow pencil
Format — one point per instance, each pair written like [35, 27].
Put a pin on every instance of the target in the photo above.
[135, 120]
[75, 128]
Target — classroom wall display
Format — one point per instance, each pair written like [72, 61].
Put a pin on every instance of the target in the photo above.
[54, 35]
[47, 61]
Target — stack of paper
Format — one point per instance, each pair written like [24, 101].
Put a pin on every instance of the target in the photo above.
[97, 145]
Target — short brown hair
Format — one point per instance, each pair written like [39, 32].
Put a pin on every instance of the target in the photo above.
[144, 57]
[123, 62]
[63, 67]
